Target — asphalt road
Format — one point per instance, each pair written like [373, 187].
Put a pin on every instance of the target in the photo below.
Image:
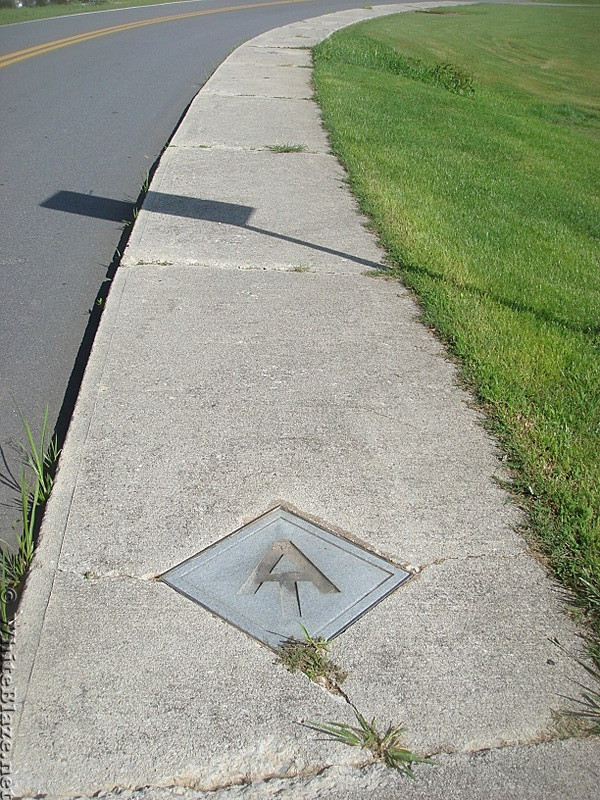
[82, 122]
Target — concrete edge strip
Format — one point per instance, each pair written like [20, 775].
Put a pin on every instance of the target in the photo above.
[41, 577]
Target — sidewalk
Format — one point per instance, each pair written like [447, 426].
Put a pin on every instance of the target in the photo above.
[249, 357]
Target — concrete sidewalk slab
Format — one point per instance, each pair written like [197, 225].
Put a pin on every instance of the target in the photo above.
[147, 701]
[144, 702]
[251, 210]
[312, 31]
[250, 56]
[302, 36]
[317, 362]
[479, 614]
[464, 657]
[267, 80]
[251, 123]
[224, 380]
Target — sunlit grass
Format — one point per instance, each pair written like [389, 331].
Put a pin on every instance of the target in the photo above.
[488, 204]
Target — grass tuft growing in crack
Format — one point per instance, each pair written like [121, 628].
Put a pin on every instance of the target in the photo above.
[40, 459]
[387, 747]
[311, 656]
[287, 148]
[137, 205]
[14, 562]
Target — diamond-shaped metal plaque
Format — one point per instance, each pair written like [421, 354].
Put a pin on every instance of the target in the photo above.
[281, 572]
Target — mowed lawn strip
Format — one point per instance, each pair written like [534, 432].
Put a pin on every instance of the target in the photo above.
[471, 137]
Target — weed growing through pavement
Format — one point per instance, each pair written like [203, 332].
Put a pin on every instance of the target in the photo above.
[137, 206]
[127, 223]
[41, 460]
[287, 148]
[14, 562]
[311, 656]
[386, 747]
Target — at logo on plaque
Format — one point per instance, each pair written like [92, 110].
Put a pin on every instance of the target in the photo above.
[287, 566]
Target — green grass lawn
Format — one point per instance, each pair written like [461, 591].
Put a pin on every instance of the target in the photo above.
[472, 139]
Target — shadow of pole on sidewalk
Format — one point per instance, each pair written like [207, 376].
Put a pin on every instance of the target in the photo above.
[232, 214]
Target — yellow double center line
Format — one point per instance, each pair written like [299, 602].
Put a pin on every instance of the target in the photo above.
[48, 47]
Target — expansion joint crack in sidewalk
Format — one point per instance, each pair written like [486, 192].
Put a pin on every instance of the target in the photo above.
[222, 93]
[251, 268]
[542, 738]
[115, 574]
[418, 569]
[190, 785]
[232, 148]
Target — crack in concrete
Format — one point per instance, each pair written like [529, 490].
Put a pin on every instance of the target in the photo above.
[112, 574]
[415, 569]
[418, 569]
[192, 784]
[535, 741]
